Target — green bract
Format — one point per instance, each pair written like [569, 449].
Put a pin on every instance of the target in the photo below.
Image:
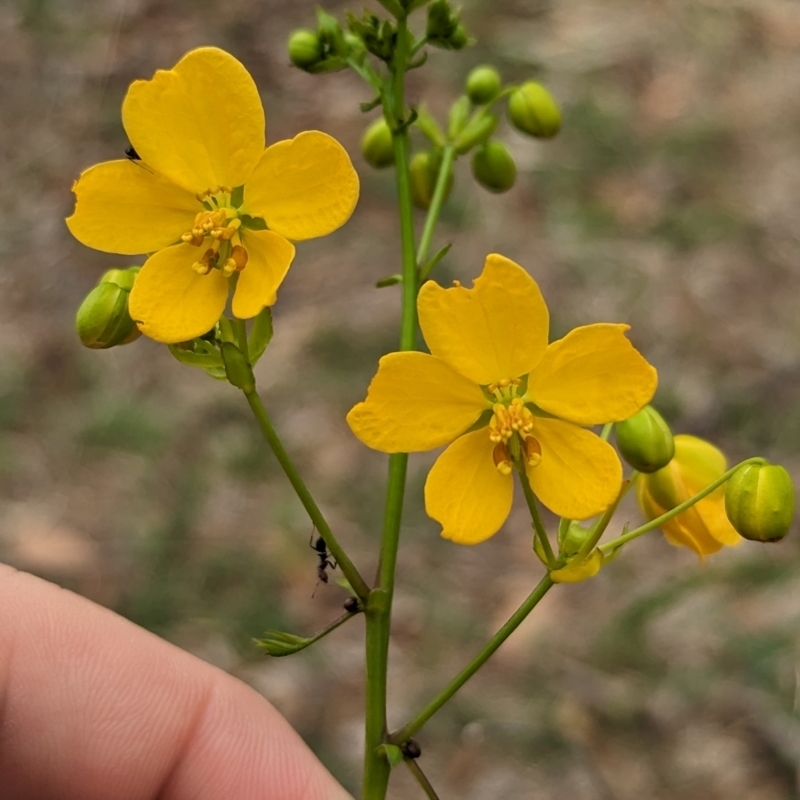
[759, 502]
[645, 441]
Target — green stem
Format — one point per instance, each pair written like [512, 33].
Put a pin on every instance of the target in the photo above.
[599, 528]
[609, 547]
[445, 170]
[357, 583]
[379, 608]
[422, 780]
[412, 726]
[538, 525]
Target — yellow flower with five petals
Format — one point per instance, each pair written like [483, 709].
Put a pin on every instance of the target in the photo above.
[497, 393]
[205, 198]
[704, 527]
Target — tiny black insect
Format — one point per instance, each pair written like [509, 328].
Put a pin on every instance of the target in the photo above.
[326, 560]
[132, 154]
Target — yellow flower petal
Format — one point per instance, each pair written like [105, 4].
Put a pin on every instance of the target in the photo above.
[268, 261]
[122, 207]
[171, 302]
[494, 331]
[465, 492]
[201, 124]
[579, 475]
[303, 187]
[415, 402]
[593, 375]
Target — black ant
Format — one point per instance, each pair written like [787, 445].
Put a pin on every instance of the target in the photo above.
[326, 560]
[131, 154]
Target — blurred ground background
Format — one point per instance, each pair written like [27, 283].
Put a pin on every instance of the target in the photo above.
[670, 202]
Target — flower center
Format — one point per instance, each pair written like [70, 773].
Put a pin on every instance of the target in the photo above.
[511, 428]
[219, 222]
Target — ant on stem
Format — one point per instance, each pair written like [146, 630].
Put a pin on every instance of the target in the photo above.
[326, 560]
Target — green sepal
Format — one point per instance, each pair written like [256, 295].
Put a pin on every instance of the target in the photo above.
[238, 372]
[391, 752]
[237, 196]
[253, 223]
[331, 34]
[393, 6]
[260, 335]
[207, 358]
[419, 62]
[426, 270]
[429, 128]
[459, 112]
[365, 107]
[332, 64]
[217, 373]
[278, 643]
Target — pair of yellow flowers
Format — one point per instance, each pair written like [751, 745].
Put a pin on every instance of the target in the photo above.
[218, 212]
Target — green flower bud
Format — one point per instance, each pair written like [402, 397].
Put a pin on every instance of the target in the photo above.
[477, 131]
[278, 643]
[483, 83]
[532, 110]
[493, 167]
[376, 144]
[103, 320]
[572, 538]
[305, 48]
[759, 502]
[424, 170]
[645, 441]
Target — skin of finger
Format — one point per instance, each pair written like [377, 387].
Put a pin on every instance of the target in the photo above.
[91, 706]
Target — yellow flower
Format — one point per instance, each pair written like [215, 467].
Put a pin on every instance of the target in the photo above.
[494, 388]
[206, 199]
[704, 527]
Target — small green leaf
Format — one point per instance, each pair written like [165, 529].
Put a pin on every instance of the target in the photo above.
[390, 280]
[372, 104]
[425, 271]
[279, 643]
[260, 335]
[253, 223]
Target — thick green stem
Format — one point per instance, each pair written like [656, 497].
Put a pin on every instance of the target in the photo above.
[443, 178]
[412, 726]
[609, 547]
[379, 607]
[348, 568]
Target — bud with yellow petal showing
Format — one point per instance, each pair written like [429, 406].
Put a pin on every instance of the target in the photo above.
[759, 502]
[494, 168]
[376, 144]
[483, 83]
[645, 441]
[704, 527]
[424, 171]
[103, 320]
[576, 571]
[532, 110]
[305, 48]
